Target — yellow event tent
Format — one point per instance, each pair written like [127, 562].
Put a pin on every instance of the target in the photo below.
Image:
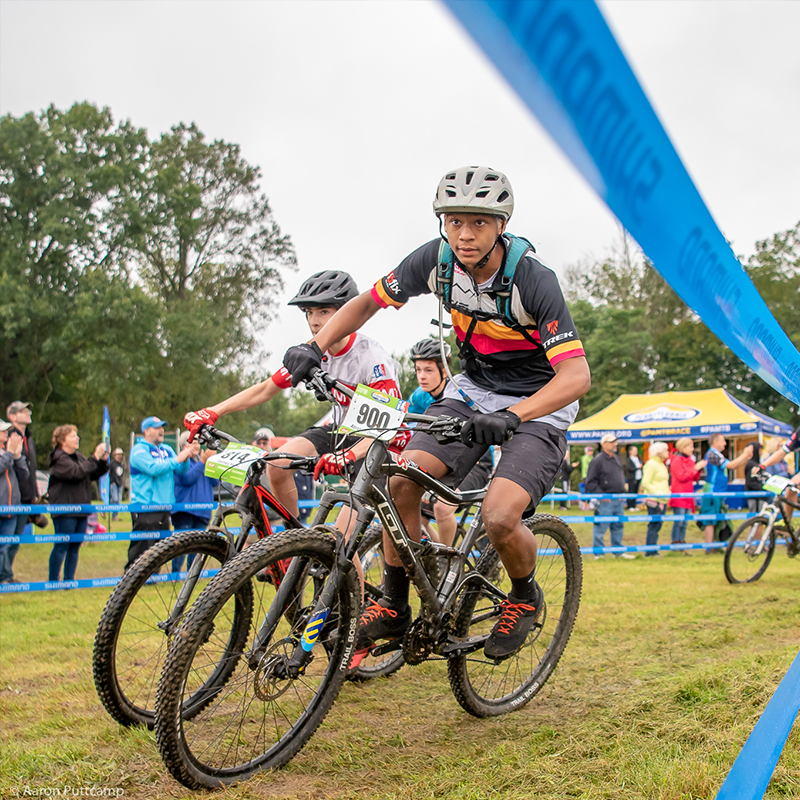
[671, 415]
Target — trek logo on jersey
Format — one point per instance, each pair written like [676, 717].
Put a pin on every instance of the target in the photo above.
[559, 337]
[379, 371]
[552, 327]
[392, 283]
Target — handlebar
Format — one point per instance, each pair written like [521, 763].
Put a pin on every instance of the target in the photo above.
[213, 438]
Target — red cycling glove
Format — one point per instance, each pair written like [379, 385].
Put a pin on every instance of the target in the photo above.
[333, 463]
[401, 440]
[195, 420]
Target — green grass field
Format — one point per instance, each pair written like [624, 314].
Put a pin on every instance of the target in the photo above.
[667, 672]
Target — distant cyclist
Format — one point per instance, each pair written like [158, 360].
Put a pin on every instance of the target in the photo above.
[432, 379]
[791, 445]
[352, 358]
[524, 370]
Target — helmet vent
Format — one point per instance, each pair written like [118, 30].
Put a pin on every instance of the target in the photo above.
[450, 177]
[491, 177]
[450, 192]
[502, 197]
[481, 193]
[470, 176]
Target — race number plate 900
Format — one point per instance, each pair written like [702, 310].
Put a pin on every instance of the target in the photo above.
[373, 414]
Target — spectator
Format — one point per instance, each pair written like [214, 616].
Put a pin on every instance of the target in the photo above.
[633, 472]
[655, 480]
[781, 467]
[19, 415]
[71, 476]
[566, 472]
[192, 486]
[752, 483]
[683, 474]
[152, 466]
[263, 438]
[606, 476]
[585, 460]
[116, 472]
[717, 480]
[13, 471]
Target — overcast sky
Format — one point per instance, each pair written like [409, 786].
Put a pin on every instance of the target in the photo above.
[354, 110]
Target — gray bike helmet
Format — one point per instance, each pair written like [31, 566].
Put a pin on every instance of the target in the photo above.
[475, 190]
[331, 288]
[428, 350]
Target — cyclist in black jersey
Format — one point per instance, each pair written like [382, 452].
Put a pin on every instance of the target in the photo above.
[522, 376]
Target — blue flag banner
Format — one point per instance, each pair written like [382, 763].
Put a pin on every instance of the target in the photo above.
[563, 61]
[104, 481]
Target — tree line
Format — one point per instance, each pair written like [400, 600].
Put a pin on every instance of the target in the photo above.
[142, 274]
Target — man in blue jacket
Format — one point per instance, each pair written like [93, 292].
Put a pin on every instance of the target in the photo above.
[152, 465]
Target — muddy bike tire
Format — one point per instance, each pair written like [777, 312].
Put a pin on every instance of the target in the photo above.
[130, 648]
[261, 718]
[486, 688]
[741, 565]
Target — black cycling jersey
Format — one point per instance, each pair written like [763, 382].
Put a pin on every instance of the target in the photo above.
[495, 355]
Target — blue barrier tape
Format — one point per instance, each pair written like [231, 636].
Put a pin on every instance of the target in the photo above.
[564, 63]
[139, 508]
[124, 536]
[753, 768]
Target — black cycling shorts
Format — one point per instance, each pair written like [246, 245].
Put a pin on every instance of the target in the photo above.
[325, 440]
[532, 459]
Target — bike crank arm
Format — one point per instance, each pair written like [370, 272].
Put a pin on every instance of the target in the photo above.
[276, 610]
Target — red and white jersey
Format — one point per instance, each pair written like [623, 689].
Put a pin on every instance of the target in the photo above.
[361, 360]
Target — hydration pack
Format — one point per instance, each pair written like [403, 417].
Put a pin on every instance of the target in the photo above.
[518, 247]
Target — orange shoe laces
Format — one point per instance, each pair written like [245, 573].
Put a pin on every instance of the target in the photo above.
[511, 613]
[376, 611]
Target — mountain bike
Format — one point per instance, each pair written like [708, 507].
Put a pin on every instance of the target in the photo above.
[146, 607]
[379, 661]
[292, 667]
[752, 545]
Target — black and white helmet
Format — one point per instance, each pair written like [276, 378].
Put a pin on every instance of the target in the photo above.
[474, 190]
[429, 350]
[330, 288]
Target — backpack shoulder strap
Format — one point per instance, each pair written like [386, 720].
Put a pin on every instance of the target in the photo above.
[444, 272]
[518, 247]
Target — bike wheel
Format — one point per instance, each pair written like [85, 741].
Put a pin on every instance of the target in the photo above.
[371, 554]
[132, 636]
[262, 716]
[486, 688]
[743, 564]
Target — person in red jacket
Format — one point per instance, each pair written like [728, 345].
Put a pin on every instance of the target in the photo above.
[683, 472]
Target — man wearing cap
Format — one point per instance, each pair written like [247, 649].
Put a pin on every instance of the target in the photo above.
[262, 438]
[606, 476]
[152, 466]
[19, 415]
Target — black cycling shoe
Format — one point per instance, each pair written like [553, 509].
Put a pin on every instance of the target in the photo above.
[380, 621]
[517, 617]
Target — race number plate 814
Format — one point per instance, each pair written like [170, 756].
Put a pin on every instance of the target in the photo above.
[374, 414]
[232, 463]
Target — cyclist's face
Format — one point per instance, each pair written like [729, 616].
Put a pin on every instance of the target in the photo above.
[472, 236]
[428, 376]
[318, 316]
